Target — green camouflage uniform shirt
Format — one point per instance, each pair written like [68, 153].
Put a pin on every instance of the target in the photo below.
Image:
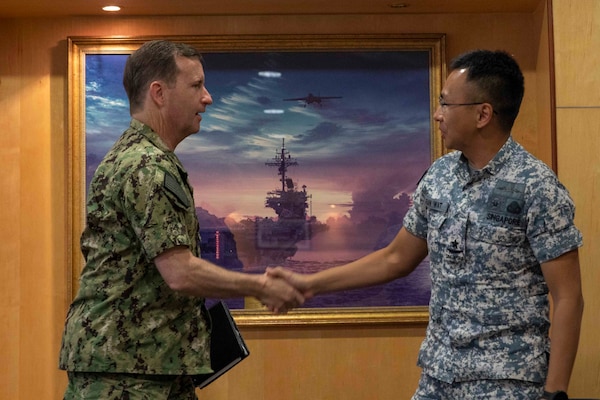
[125, 318]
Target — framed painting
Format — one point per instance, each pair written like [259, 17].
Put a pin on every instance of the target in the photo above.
[307, 157]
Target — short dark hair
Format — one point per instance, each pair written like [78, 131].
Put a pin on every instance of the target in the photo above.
[154, 60]
[500, 79]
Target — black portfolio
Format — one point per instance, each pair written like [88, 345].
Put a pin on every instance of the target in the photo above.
[227, 347]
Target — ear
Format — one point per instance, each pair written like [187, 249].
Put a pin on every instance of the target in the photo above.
[486, 112]
[156, 93]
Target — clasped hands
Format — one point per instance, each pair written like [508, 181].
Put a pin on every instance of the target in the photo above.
[283, 290]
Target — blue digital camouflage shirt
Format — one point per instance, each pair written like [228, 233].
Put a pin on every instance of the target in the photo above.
[125, 318]
[487, 233]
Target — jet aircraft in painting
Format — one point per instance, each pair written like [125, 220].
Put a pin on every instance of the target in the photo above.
[311, 98]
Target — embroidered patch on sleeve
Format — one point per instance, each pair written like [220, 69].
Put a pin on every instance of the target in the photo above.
[174, 187]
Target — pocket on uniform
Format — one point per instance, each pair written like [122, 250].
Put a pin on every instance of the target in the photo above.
[436, 219]
[497, 234]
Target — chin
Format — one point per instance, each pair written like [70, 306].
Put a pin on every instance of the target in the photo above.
[448, 143]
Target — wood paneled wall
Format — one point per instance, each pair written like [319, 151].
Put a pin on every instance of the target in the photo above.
[577, 40]
[342, 362]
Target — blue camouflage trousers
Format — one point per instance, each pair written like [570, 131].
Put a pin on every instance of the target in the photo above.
[489, 389]
[117, 386]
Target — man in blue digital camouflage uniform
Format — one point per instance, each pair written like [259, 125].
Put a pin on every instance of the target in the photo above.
[498, 228]
[136, 329]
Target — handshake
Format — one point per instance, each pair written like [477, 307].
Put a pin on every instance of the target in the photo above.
[283, 290]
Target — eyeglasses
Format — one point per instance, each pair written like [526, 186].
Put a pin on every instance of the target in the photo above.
[444, 106]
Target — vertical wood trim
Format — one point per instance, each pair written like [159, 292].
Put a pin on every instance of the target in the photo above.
[552, 72]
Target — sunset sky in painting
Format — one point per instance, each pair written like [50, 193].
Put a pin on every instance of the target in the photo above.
[364, 148]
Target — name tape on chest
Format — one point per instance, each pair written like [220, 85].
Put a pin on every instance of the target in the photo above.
[436, 204]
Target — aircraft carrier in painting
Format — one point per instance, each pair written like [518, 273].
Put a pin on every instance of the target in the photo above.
[277, 238]
[260, 241]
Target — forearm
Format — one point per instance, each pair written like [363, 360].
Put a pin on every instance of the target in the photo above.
[209, 280]
[187, 274]
[563, 278]
[566, 323]
[190, 275]
[367, 271]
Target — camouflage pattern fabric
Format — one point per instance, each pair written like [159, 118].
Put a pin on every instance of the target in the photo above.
[501, 389]
[125, 318]
[487, 232]
[110, 386]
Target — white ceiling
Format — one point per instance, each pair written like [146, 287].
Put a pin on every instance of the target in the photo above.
[62, 8]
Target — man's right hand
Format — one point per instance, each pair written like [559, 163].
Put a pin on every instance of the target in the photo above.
[278, 295]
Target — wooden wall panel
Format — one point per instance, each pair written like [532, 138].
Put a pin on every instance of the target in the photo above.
[544, 89]
[577, 40]
[10, 218]
[290, 363]
[579, 146]
[577, 37]
[360, 362]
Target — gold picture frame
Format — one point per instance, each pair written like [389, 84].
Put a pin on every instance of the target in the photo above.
[80, 47]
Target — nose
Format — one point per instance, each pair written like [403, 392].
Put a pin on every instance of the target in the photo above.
[207, 98]
[437, 115]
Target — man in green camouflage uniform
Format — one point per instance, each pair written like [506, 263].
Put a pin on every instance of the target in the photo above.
[498, 228]
[137, 327]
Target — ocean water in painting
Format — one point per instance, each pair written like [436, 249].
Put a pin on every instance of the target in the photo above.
[304, 159]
